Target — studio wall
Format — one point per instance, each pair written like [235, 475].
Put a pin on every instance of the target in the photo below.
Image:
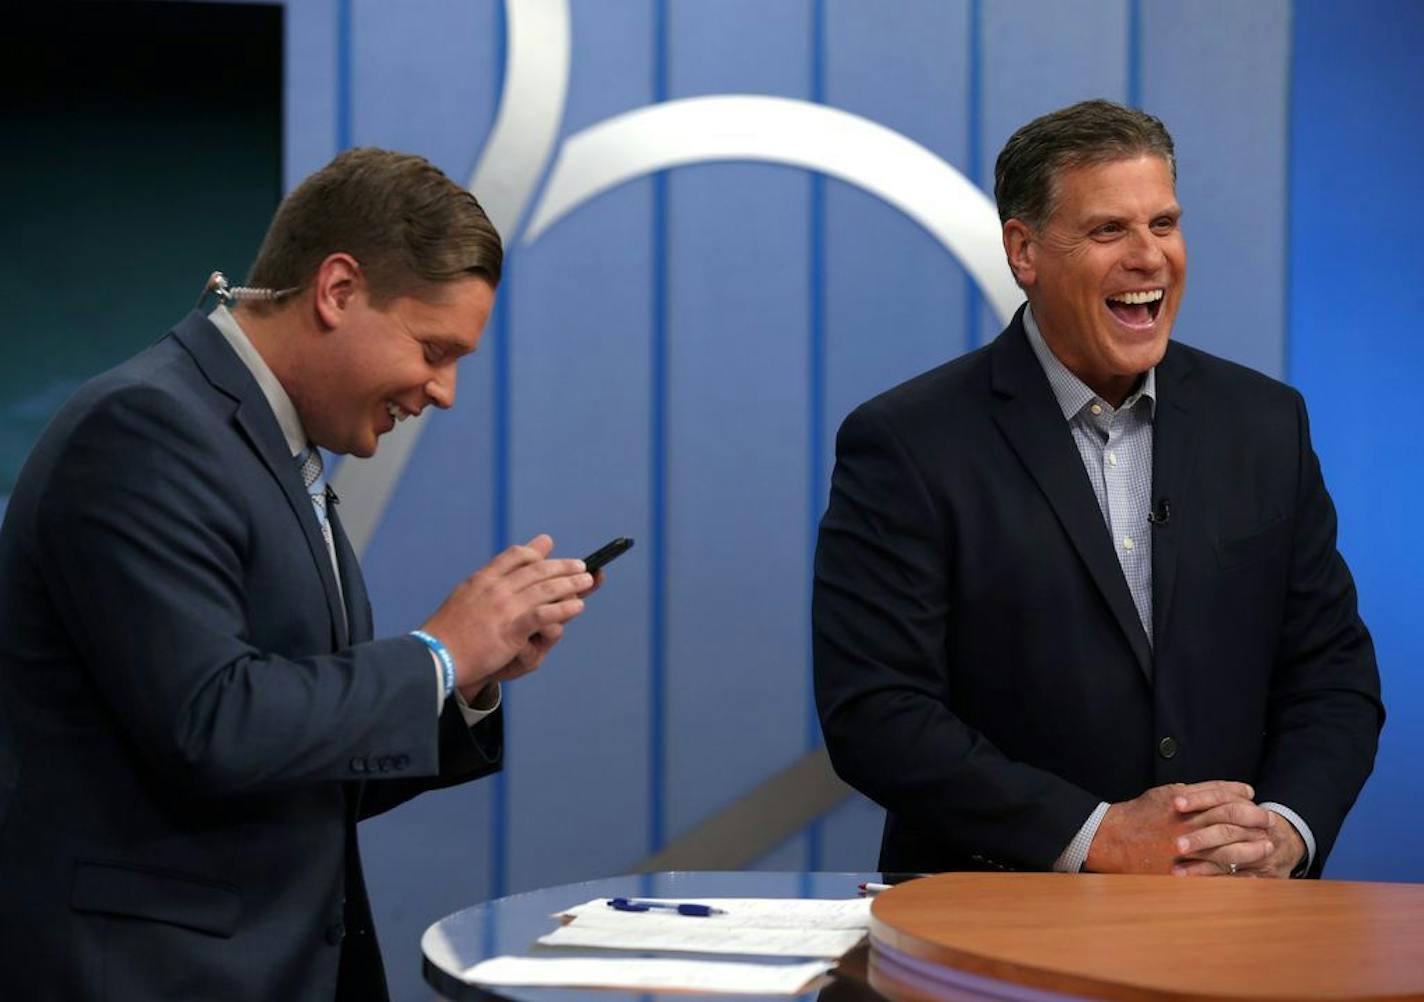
[671, 355]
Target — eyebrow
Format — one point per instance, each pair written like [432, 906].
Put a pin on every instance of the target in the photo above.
[452, 343]
[1094, 221]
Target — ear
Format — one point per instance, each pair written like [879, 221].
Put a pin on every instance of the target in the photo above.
[1019, 249]
[338, 281]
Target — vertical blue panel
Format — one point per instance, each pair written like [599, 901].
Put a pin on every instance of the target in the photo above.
[309, 88]
[1038, 55]
[1220, 88]
[895, 298]
[657, 473]
[1356, 353]
[421, 79]
[737, 406]
[851, 835]
[579, 347]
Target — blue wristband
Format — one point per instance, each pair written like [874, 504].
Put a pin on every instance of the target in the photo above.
[447, 663]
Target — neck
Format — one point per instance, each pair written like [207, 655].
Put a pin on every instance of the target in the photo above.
[275, 333]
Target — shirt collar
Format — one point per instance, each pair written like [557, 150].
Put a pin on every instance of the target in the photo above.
[1071, 392]
[282, 407]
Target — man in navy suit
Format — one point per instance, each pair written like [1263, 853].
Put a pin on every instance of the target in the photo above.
[195, 713]
[1077, 598]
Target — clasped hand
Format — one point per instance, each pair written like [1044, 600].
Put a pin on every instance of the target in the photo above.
[1202, 829]
[500, 622]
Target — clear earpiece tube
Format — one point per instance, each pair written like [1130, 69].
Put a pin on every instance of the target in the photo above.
[228, 295]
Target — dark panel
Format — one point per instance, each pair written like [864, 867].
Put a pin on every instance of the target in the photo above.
[142, 150]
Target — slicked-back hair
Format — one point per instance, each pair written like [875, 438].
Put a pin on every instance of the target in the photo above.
[407, 225]
[1090, 132]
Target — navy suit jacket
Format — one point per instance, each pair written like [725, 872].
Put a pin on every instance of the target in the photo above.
[189, 736]
[981, 670]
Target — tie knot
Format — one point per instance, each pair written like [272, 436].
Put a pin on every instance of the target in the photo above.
[310, 462]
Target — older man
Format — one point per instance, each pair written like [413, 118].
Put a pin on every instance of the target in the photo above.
[1077, 600]
[195, 711]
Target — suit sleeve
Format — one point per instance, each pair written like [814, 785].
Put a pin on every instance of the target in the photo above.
[466, 753]
[1325, 712]
[879, 611]
[144, 552]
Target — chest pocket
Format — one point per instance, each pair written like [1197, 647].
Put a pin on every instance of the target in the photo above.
[1246, 548]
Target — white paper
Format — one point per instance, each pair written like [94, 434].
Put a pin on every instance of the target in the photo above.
[689, 934]
[754, 913]
[648, 975]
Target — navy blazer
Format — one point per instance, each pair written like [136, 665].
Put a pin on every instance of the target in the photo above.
[189, 737]
[981, 670]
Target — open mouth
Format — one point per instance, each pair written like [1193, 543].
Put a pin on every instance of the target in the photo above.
[1136, 309]
[397, 413]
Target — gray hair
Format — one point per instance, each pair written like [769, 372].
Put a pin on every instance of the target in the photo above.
[1090, 132]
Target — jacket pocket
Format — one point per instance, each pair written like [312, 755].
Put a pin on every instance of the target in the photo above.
[1245, 548]
[157, 895]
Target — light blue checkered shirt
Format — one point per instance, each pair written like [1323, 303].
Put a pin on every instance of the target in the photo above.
[1116, 448]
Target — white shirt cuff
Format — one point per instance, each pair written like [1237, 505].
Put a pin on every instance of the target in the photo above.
[1073, 857]
[472, 714]
[1298, 823]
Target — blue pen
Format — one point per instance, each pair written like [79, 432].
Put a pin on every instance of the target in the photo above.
[636, 905]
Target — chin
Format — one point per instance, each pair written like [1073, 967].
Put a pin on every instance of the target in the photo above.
[364, 449]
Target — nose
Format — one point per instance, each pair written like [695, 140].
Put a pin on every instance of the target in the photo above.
[1145, 253]
[441, 388]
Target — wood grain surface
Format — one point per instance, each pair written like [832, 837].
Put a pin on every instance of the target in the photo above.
[1139, 938]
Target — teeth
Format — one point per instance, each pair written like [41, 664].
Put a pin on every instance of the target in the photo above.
[396, 412]
[1137, 298]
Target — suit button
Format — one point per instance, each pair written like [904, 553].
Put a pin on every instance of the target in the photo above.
[1167, 747]
[335, 933]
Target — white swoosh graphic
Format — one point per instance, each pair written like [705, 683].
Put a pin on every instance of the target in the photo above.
[531, 110]
[800, 134]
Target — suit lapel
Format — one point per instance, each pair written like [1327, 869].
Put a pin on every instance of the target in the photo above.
[1029, 416]
[253, 417]
[1173, 456]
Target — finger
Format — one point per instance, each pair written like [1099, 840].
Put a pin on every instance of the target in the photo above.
[1206, 839]
[552, 589]
[1243, 854]
[543, 544]
[531, 575]
[540, 617]
[1195, 868]
[1201, 796]
[515, 557]
[1242, 813]
[598, 578]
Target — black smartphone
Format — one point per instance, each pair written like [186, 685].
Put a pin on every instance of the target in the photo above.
[607, 553]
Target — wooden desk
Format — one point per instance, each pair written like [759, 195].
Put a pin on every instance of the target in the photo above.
[1042, 935]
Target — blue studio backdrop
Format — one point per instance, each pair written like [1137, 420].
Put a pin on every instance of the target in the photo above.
[729, 222]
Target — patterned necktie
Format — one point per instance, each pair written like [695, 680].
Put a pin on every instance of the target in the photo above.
[315, 479]
[309, 460]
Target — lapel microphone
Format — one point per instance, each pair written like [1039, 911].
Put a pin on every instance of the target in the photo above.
[332, 499]
[1160, 513]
